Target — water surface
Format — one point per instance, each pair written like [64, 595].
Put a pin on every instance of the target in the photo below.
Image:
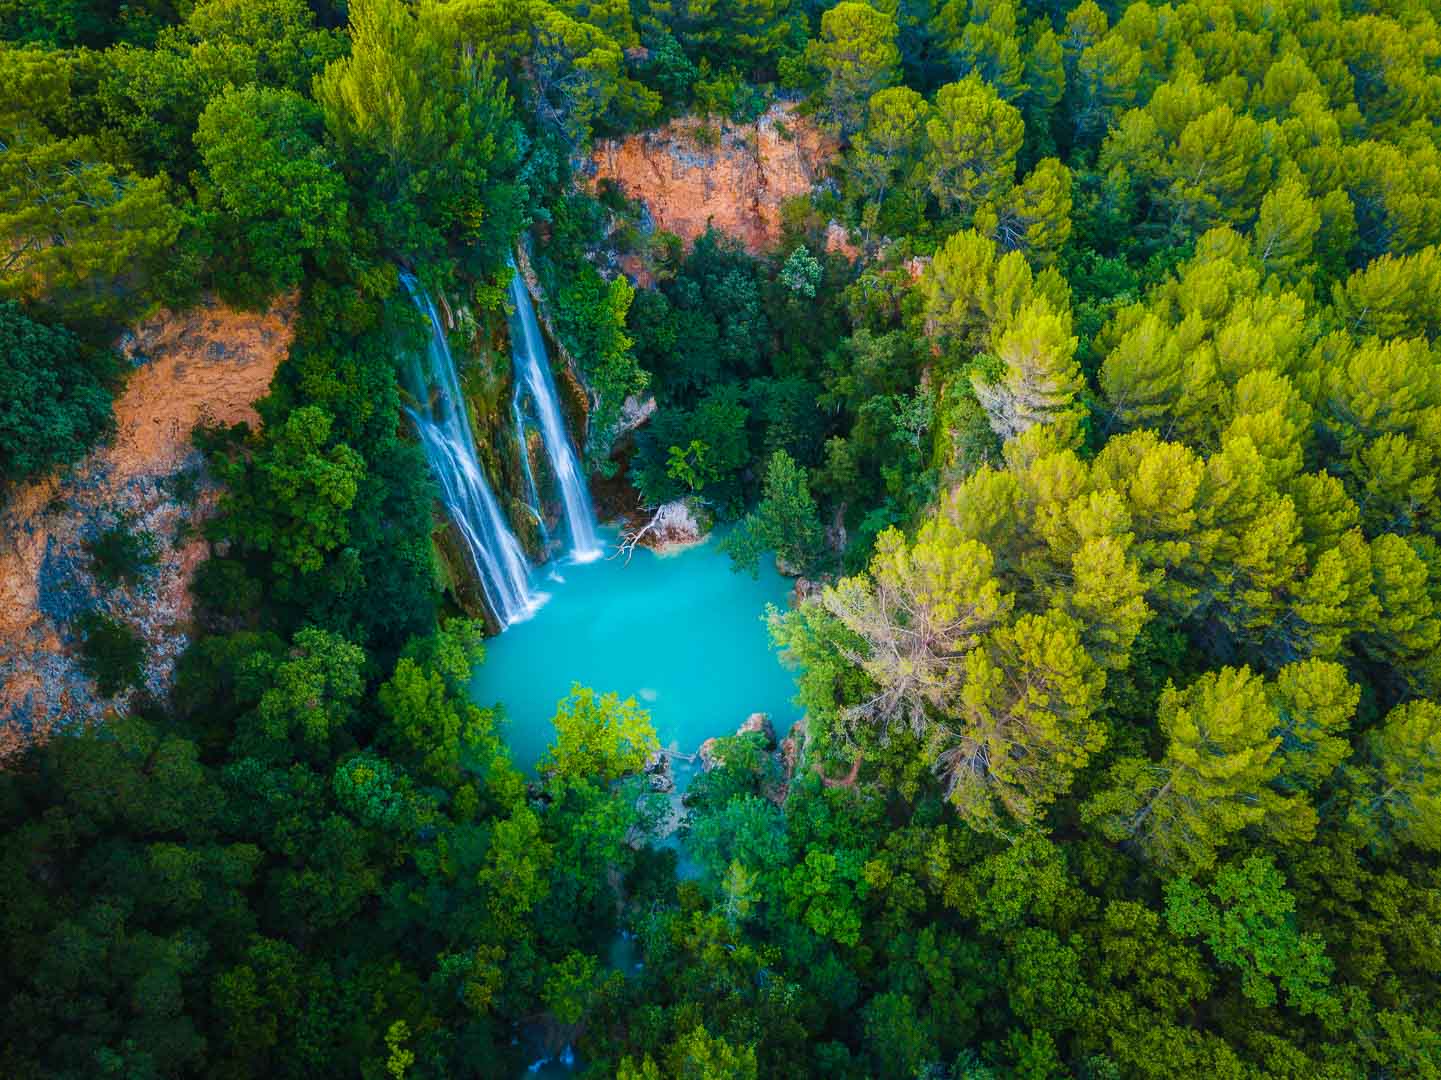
[681, 632]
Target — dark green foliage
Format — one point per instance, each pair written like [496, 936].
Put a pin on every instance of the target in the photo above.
[112, 652]
[54, 395]
[714, 308]
[89, 23]
[122, 555]
[273, 198]
[1120, 756]
[784, 521]
[700, 451]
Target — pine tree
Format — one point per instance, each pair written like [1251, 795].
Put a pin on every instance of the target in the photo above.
[1027, 721]
[886, 151]
[974, 138]
[1285, 231]
[1041, 379]
[1036, 218]
[857, 52]
[1396, 788]
[1216, 777]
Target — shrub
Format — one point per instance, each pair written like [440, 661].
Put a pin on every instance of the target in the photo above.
[122, 556]
[112, 653]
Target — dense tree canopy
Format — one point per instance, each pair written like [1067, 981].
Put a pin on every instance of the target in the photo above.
[1107, 443]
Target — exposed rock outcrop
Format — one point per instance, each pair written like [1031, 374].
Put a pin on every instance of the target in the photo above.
[780, 762]
[736, 179]
[208, 364]
[670, 527]
[759, 723]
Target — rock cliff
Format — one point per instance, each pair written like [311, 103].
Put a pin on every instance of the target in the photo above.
[208, 364]
[734, 177]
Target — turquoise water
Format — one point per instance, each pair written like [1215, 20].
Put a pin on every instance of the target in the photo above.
[682, 633]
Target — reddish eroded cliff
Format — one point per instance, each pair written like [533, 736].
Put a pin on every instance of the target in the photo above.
[737, 185]
[208, 364]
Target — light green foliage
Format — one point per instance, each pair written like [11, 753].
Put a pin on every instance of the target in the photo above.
[695, 1055]
[515, 874]
[801, 273]
[738, 887]
[599, 736]
[857, 55]
[571, 987]
[1036, 218]
[1005, 708]
[574, 65]
[1239, 755]
[432, 726]
[1247, 918]
[240, 43]
[974, 138]
[884, 154]
[1042, 378]
[1397, 785]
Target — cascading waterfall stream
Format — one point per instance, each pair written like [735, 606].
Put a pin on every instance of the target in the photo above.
[532, 369]
[444, 429]
[532, 492]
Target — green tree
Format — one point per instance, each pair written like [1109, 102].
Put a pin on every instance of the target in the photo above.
[785, 521]
[292, 500]
[1247, 918]
[1041, 379]
[82, 234]
[1239, 755]
[425, 130]
[974, 138]
[599, 736]
[54, 396]
[884, 155]
[1396, 786]
[858, 55]
[274, 194]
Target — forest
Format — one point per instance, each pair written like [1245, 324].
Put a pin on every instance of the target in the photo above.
[1110, 438]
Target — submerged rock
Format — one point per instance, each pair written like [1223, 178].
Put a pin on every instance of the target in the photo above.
[657, 772]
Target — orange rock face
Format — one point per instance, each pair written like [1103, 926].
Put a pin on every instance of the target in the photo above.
[208, 364]
[736, 185]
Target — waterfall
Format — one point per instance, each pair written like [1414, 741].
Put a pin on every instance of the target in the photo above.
[444, 429]
[522, 436]
[532, 369]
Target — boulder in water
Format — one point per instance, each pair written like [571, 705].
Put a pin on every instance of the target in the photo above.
[657, 771]
[759, 723]
[709, 755]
